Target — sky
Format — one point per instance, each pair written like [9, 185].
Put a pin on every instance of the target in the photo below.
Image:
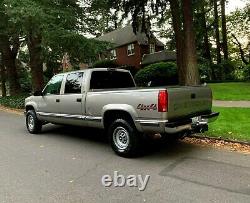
[234, 4]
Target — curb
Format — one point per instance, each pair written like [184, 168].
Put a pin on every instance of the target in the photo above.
[219, 139]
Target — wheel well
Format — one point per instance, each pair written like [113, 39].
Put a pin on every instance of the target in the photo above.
[29, 107]
[112, 115]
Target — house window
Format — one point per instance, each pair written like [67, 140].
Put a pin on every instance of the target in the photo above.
[151, 48]
[131, 49]
[113, 54]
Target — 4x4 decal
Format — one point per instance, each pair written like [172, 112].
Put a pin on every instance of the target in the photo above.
[149, 107]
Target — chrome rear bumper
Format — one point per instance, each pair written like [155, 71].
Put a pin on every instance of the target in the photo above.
[195, 125]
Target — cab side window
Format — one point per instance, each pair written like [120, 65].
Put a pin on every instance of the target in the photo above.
[54, 85]
[73, 83]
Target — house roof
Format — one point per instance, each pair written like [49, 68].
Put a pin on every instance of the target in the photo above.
[158, 57]
[125, 36]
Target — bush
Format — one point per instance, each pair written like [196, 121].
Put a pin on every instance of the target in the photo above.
[229, 68]
[230, 72]
[13, 101]
[105, 64]
[246, 72]
[158, 74]
[25, 80]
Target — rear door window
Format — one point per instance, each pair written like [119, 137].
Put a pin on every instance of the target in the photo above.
[111, 79]
[73, 84]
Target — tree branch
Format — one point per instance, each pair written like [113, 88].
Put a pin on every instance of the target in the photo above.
[242, 54]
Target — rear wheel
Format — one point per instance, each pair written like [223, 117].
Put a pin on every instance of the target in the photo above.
[124, 138]
[32, 123]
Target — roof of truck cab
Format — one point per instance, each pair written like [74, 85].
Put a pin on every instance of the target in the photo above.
[95, 69]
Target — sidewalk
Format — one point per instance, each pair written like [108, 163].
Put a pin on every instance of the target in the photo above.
[244, 104]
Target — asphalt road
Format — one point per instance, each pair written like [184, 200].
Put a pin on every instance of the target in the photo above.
[65, 164]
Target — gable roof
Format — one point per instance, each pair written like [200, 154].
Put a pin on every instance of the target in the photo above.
[125, 36]
[158, 57]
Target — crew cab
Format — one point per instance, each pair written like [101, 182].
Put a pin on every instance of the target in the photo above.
[109, 99]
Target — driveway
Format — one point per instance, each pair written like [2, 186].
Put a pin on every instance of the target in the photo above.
[66, 164]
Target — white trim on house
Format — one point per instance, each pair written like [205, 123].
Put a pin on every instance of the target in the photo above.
[131, 49]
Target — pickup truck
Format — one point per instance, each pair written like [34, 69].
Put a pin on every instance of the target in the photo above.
[109, 99]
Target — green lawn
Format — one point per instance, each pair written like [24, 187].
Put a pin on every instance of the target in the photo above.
[233, 123]
[231, 90]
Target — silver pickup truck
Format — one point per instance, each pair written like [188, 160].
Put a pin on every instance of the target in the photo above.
[109, 99]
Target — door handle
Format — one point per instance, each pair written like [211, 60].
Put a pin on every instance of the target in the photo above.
[57, 100]
[78, 100]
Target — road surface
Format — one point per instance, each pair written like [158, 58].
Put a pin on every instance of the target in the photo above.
[65, 164]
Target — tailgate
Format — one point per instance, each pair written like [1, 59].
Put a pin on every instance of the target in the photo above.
[188, 101]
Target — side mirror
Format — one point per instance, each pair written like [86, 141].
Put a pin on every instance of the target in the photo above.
[38, 93]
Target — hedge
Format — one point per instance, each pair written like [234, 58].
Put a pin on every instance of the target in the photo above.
[13, 101]
[106, 63]
[157, 74]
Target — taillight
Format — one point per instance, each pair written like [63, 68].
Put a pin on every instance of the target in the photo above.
[163, 101]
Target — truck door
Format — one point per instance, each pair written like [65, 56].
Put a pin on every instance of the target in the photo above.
[48, 104]
[72, 101]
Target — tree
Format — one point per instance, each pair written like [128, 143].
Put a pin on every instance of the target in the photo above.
[190, 58]
[224, 29]
[37, 20]
[99, 18]
[184, 32]
[176, 20]
[217, 32]
[9, 46]
[2, 77]
[51, 28]
[238, 23]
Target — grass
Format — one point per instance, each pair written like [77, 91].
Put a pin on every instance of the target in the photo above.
[231, 91]
[13, 101]
[233, 123]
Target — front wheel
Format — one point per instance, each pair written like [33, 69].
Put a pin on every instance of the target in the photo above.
[33, 125]
[124, 138]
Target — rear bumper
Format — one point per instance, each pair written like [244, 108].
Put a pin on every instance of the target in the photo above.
[210, 117]
[195, 125]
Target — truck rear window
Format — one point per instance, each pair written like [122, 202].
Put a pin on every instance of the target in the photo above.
[110, 80]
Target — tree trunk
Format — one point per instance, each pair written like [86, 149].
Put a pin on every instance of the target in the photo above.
[190, 58]
[207, 54]
[217, 32]
[224, 30]
[36, 62]
[242, 54]
[9, 61]
[176, 18]
[3, 79]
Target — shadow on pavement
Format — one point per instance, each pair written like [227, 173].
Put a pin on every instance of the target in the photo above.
[150, 147]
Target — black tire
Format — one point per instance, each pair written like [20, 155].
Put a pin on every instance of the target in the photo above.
[34, 126]
[127, 132]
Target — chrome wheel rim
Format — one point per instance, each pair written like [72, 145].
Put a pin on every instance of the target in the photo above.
[31, 122]
[121, 138]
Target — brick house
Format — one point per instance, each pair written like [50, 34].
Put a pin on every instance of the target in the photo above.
[129, 48]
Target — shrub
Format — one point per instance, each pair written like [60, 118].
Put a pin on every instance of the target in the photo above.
[158, 74]
[25, 80]
[246, 72]
[13, 101]
[204, 69]
[105, 64]
[229, 68]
